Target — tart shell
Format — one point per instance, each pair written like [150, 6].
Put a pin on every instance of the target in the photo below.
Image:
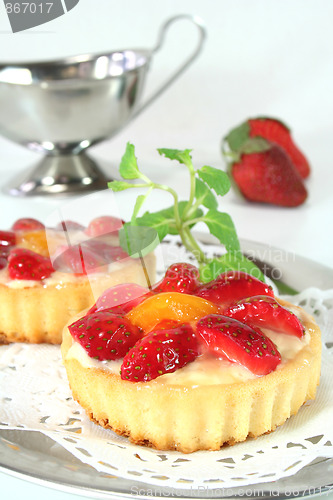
[39, 313]
[204, 417]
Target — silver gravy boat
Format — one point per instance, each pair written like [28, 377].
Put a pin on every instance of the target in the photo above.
[62, 107]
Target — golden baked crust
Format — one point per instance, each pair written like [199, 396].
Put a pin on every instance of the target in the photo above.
[204, 417]
[38, 314]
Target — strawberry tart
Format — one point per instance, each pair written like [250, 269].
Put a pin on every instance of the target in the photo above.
[192, 366]
[49, 275]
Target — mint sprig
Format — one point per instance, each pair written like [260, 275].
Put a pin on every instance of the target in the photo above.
[206, 184]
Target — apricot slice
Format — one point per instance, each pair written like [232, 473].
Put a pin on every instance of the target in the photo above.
[172, 306]
[33, 240]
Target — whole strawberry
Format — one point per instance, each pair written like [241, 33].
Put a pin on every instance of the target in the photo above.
[160, 352]
[268, 176]
[104, 335]
[24, 264]
[180, 277]
[275, 132]
[278, 133]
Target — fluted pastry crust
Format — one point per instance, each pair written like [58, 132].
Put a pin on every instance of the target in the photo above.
[39, 313]
[204, 417]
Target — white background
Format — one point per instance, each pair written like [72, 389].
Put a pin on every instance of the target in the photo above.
[261, 57]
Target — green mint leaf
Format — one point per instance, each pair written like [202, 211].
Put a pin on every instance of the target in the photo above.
[138, 241]
[222, 227]
[216, 179]
[156, 221]
[231, 261]
[182, 156]
[204, 195]
[164, 220]
[119, 185]
[128, 167]
[138, 204]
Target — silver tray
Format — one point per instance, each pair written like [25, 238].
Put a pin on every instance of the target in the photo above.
[34, 457]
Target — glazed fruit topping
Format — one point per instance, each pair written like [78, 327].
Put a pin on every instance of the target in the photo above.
[173, 306]
[69, 225]
[33, 240]
[78, 259]
[181, 277]
[7, 239]
[25, 264]
[104, 225]
[27, 224]
[230, 339]
[122, 298]
[160, 352]
[104, 335]
[266, 312]
[232, 286]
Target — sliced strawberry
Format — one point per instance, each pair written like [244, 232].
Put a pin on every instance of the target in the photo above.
[181, 277]
[162, 351]
[24, 264]
[122, 298]
[109, 253]
[69, 225]
[78, 259]
[239, 343]
[231, 286]
[104, 225]
[7, 239]
[266, 312]
[104, 335]
[27, 224]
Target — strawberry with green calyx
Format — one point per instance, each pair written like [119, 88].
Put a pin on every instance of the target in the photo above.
[266, 312]
[162, 351]
[206, 183]
[104, 335]
[252, 134]
[237, 342]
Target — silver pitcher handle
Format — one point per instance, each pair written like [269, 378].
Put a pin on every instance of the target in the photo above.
[202, 35]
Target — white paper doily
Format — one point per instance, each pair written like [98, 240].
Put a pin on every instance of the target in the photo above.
[35, 395]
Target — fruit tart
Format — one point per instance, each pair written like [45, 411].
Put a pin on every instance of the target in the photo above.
[47, 275]
[192, 366]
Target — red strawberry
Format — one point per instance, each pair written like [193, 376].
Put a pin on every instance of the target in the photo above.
[268, 176]
[78, 260]
[122, 298]
[27, 224]
[25, 264]
[7, 239]
[109, 253]
[278, 133]
[105, 335]
[104, 225]
[179, 277]
[266, 312]
[69, 225]
[162, 351]
[230, 339]
[231, 286]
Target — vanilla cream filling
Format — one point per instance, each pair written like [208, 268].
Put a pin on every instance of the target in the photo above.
[203, 370]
